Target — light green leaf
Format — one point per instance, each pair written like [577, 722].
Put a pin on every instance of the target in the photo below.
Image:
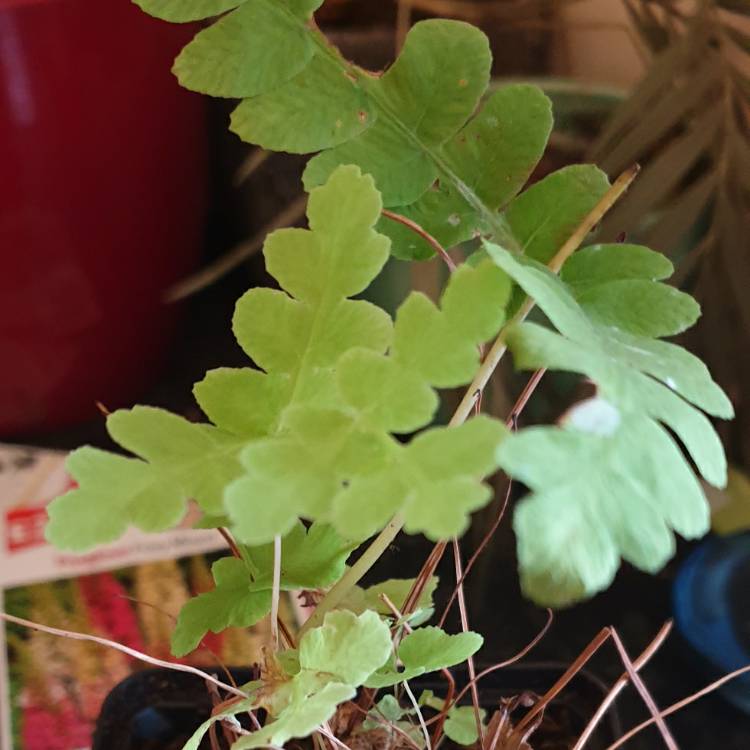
[339, 256]
[299, 472]
[310, 703]
[284, 120]
[232, 603]
[407, 127]
[441, 509]
[427, 649]
[182, 11]
[182, 461]
[546, 214]
[340, 465]
[431, 648]
[599, 264]
[616, 286]
[493, 156]
[311, 558]
[388, 708]
[442, 345]
[461, 724]
[467, 449]
[368, 502]
[640, 307]
[113, 493]
[236, 709]
[298, 341]
[242, 401]
[348, 647]
[421, 101]
[196, 459]
[397, 590]
[228, 59]
[435, 482]
[607, 485]
[636, 374]
[388, 396]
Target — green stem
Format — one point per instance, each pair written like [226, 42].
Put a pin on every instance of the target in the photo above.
[352, 576]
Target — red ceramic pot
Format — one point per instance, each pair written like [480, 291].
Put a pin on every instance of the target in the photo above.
[102, 197]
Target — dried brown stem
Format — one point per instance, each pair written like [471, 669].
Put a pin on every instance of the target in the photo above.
[513, 659]
[424, 234]
[569, 674]
[125, 650]
[465, 627]
[472, 560]
[229, 539]
[617, 688]
[680, 704]
[640, 686]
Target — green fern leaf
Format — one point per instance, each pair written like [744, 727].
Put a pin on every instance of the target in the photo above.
[327, 463]
[300, 337]
[425, 650]
[285, 120]
[421, 101]
[563, 199]
[260, 45]
[620, 363]
[615, 286]
[242, 596]
[493, 155]
[183, 11]
[643, 382]
[182, 461]
[615, 484]
[397, 590]
[433, 481]
[233, 603]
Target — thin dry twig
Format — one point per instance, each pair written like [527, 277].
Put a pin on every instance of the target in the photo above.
[170, 616]
[465, 628]
[513, 659]
[523, 399]
[475, 556]
[251, 164]
[214, 271]
[680, 704]
[125, 650]
[418, 711]
[229, 539]
[623, 680]
[569, 674]
[424, 234]
[640, 686]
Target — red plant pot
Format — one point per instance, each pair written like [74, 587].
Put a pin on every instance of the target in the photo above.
[102, 201]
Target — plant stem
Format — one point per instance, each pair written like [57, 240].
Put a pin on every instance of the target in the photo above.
[425, 235]
[352, 576]
[383, 540]
[276, 592]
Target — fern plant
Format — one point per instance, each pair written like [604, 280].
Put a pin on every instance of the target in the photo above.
[305, 456]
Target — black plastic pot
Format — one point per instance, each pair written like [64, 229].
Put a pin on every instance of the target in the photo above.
[160, 709]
